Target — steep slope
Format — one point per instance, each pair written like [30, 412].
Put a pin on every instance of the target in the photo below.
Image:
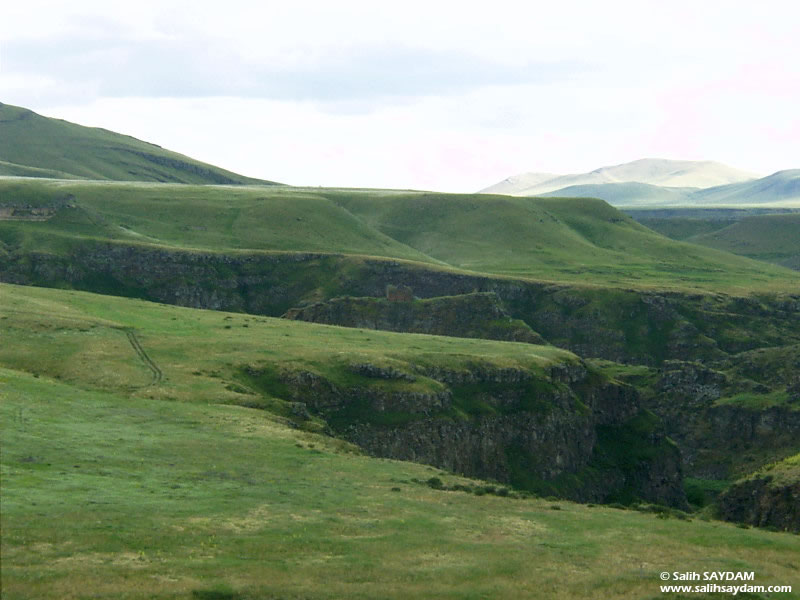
[768, 498]
[654, 171]
[476, 315]
[35, 146]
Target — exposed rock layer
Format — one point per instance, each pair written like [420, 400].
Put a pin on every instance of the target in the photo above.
[622, 325]
[477, 315]
[761, 502]
[566, 431]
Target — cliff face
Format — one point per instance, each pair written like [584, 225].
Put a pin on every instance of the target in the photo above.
[770, 498]
[565, 432]
[717, 433]
[477, 315]
[622, 325]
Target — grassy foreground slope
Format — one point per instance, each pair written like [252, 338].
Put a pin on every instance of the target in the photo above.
[120, 484]
[35, 146]
[81, 339]
[569, 240]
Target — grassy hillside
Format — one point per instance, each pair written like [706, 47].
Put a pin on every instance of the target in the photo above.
[570, 240]
[772, 238]
[771, 235]
[564, 239]
[35, 146]
[80, 339]
[118, 483]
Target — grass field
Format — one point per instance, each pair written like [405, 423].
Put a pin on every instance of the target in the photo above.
[118, 483]
[566, 240]
[80, 339]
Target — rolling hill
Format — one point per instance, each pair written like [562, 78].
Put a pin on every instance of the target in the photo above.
[35, 146]
[771, 238]
[568, 240]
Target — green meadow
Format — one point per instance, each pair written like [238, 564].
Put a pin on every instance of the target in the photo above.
[579, 241]
[120, 484]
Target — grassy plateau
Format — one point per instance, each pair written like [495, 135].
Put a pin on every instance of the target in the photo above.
[581, 241]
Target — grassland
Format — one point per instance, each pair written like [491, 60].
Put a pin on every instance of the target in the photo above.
[35, 146]
[771, 238]
[120, 484]
[80, 339]
[562, 240]
[752, 232]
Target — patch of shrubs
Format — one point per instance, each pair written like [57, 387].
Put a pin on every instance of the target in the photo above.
[479, 490]
[662, 512]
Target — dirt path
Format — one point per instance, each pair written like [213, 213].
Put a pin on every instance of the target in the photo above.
[158, 374]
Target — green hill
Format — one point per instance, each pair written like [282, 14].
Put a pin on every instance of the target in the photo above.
[772, 238]
[35, 146]
[567, 240]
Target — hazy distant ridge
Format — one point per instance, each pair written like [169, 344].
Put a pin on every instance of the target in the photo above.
[653, 171]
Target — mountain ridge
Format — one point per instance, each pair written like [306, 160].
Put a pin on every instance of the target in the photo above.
[654, 171]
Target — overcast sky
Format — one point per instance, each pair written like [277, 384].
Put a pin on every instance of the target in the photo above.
[450, 96]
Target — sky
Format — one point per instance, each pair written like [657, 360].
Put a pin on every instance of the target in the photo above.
[438, 95]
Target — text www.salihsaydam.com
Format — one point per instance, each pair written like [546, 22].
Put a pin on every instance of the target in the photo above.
[727, 589]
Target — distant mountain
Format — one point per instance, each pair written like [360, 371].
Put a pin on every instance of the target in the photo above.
[514, 183]
[35, 146]
[627, 194]
[779, 187]
[653, 171]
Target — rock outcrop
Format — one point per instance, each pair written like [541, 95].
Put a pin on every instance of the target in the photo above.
[563, 431]
[717, 433]
[477, 315]
[770, 498]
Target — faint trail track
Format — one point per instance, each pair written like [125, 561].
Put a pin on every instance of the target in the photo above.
[158, 374]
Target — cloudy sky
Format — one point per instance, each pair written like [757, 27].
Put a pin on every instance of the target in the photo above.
[441, 95]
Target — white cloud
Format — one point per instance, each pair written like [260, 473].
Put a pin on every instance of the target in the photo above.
[429, 94]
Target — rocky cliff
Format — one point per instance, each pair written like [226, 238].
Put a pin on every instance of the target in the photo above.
[476, 315]
[564, 431]
[770, 498]
[630, 326]
[724, 423]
